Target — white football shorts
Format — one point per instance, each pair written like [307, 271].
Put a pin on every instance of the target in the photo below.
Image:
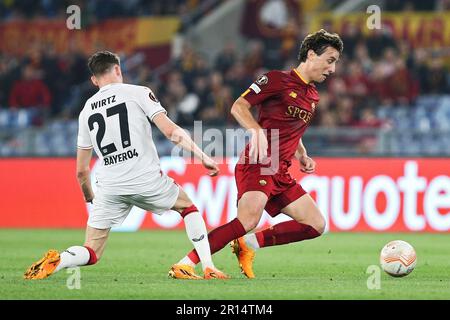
[111, 210]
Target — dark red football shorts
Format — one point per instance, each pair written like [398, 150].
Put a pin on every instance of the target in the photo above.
[280, 188]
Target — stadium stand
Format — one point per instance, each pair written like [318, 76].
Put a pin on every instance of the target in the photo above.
[396, 91]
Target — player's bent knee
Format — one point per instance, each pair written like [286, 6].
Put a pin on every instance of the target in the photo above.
[320, 224]
[249, 224]
[182, 203]
[249, 216]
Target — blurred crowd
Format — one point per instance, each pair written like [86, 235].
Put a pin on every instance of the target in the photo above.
[379, 72]
[100, 9]
[375, 71]
[402, 5]
[416, 5]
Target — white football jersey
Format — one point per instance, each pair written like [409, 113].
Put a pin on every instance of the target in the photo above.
[116, 123]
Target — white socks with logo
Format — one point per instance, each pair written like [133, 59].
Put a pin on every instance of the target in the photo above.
[73, 257]
[197, 233]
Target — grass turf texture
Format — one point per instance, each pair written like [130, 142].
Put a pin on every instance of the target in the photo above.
[135, 266]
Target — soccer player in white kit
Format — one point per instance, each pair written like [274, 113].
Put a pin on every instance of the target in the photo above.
[116, 123]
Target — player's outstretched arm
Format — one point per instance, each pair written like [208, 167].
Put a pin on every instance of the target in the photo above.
[84, 173]
[307, 164]
[181, 138]
[241, 112]
[258, 143]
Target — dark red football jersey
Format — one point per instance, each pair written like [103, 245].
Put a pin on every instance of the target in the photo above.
[287, 104]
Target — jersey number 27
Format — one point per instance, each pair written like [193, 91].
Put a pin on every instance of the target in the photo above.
[121, 110]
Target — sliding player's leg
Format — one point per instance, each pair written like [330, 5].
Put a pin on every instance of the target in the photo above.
[108, 211]
[252, 197]
[250, 208]
[168, 195]
[197, 234]
[74, 256]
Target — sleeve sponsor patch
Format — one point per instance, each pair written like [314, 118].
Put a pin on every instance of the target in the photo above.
[262, 80]
[255, 88]
[152, 97]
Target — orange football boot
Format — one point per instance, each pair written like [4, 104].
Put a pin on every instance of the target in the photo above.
[245, 256]
[183, 271]
[213, 273]
[44, 267]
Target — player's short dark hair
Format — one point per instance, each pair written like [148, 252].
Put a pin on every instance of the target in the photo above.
[319, 42]
[101, 62]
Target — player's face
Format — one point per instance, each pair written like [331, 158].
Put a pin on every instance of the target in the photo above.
[324, 65]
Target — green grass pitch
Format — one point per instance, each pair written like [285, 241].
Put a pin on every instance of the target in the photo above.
[135, 266]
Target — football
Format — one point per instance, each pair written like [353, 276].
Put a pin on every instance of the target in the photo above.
[398, 258]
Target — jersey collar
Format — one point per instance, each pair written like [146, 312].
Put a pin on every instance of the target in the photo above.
[301, 78]
[107, 86]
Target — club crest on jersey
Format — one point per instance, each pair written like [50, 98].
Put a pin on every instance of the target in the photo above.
[293, 94]
[262, 80]
[263, 182]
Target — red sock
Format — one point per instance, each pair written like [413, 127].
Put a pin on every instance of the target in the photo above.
[219, 237]
[285, 232]
[92, 256]
[188, 210]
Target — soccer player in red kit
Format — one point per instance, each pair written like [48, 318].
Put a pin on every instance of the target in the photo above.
[287, 101]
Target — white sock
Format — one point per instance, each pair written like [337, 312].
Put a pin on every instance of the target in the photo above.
[197, 233]
[251, 241]
[73, 257]
[187, 261]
